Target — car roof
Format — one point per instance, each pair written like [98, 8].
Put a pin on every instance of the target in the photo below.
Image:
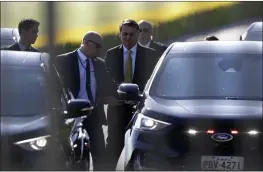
[7, 33]
[24, 58]
[255, 27]
[241, 47]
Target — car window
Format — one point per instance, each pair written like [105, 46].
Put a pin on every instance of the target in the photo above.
[23, 90]
[254, 36]
[185, 76]
[7, 42]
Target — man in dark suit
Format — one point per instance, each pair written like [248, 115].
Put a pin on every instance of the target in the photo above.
[127, 63]
[85, 75]
[28, 32]
[145, 37]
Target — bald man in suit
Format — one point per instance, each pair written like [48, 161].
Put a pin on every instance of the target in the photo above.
[145, 37]
[84, 74]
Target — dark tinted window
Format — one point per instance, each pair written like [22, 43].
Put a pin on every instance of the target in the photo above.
[23, 90]
[184, 76]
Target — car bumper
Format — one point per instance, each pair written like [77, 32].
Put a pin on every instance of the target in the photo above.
[17, 159]
[154, 151]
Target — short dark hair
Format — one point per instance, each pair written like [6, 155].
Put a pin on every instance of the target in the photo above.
[27, 23]
[211, 38]
[129, 22]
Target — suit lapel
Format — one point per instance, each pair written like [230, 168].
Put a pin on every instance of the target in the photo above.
[139, 61]
[74, 72]
[152, 45]
[119, 62]
[97, 78]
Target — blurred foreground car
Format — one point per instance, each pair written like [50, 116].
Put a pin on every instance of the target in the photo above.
[9, 36]
[200, 110]
[27, 107]
[253, 32]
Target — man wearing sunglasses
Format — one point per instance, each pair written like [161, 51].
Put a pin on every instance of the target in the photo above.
[145, 37]
[85, 75]
[127, 63]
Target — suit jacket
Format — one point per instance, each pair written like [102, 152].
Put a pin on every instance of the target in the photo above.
[68, 68]
[15, 47]
[145, 62]
[160, 48]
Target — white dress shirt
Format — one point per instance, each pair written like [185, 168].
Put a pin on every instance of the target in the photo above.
[82, 74]
[133, 55]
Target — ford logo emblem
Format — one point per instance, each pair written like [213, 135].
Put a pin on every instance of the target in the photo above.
[222, 137]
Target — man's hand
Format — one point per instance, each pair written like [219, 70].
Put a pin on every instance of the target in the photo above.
[113, 101]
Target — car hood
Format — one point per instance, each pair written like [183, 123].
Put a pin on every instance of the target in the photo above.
[23, 127]
[208, 109]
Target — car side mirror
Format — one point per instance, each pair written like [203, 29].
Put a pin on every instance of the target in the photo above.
[128, 92]
[77, 108]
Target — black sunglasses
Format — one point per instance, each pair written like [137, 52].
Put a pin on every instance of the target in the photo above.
[145, 30]
[96, 44]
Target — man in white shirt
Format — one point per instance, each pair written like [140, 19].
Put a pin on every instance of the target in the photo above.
[85, 75]
[146, 35]
[127, 63]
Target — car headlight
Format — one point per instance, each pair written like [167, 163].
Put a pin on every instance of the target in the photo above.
[34, 144]
[147, 123]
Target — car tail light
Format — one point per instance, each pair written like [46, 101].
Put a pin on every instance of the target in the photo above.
[210, 131]
[234, 132]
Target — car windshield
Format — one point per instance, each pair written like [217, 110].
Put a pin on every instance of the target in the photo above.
[254, 36]
[23, 90]
[195, 76]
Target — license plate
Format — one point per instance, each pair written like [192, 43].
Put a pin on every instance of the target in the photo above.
[225, 163]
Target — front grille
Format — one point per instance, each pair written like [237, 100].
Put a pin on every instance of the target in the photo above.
[202, 143]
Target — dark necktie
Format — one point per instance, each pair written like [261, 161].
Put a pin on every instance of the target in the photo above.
[88, 82]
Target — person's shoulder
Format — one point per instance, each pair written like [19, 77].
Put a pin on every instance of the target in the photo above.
[63, 58]
[159, 44]
[113, 49]
[35, 49]
[64, 55]
[99, 60]
[147, 49]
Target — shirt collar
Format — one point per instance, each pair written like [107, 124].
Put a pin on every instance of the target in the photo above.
[133, 49]
[82, 57]
[148, 44]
